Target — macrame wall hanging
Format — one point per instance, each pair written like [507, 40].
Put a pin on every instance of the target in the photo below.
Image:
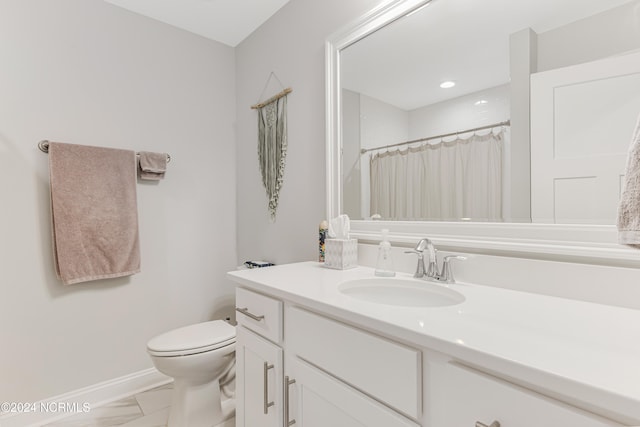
[272, 143]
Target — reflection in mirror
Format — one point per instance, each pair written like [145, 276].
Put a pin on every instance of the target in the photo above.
[469, 156]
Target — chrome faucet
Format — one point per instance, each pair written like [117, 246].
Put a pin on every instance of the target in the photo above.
[430, 271]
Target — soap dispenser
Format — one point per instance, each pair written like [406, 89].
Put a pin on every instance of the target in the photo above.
[384, 267]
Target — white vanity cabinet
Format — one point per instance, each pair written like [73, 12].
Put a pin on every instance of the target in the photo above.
[259, 361]
[333, 374]
[258, 380]
[302, 363]
[317, 399]
[347, 377]
[465, 397]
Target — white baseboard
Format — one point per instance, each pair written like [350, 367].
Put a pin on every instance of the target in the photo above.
[45, 411]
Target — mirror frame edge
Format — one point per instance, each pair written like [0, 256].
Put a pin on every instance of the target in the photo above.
[557, 242]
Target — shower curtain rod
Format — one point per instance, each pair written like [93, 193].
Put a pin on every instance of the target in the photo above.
[44, 147]
[495, 125]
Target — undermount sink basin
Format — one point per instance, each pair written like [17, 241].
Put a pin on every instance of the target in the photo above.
[401, 292]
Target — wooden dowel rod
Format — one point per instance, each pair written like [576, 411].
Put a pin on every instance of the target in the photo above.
[273, 98]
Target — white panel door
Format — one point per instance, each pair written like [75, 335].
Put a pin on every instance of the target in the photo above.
[258, 381]
[317, 399]
[582, 119]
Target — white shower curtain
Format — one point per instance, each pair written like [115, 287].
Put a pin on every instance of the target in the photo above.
[450, 181]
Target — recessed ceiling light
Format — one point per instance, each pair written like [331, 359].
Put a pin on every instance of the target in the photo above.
[447, 84]
[481, 102]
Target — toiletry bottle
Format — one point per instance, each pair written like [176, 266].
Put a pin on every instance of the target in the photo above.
[384, 267]
[322, 235]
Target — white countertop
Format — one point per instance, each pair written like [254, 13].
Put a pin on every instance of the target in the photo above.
[587, 354]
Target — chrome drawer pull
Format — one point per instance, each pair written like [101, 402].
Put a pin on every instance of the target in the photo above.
[267, 404]
[493, 424]
[246, 312]
[287, 383]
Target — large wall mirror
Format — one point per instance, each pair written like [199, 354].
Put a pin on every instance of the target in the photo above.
[474, 118]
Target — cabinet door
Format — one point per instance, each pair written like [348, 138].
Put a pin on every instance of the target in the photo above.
[316, 399]
[387, 371]
[258, 381]
[467, 397]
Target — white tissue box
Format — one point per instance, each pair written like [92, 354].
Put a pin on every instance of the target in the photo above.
[341, 253]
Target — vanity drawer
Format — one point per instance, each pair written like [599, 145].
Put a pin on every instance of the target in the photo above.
[388, 371]
[470, 396]
[259, 313]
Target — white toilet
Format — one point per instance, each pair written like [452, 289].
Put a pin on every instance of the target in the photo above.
[197, 357]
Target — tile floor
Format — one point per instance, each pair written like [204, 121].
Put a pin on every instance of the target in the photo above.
[146, 409]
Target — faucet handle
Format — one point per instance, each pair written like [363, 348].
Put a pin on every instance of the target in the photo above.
[413, 251]
[447, 273]
[420, 269]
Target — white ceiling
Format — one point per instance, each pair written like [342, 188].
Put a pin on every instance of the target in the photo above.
[225, 21]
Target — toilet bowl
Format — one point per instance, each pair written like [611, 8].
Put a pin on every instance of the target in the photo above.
[197, 357]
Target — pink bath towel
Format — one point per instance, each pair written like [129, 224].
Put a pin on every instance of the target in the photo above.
[94, 212]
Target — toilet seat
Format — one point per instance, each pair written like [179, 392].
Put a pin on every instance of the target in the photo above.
[193, 339]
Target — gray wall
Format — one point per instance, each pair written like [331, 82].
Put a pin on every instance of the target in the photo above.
[87, 72]
[352, 161]
[605, 34]
[290, 44]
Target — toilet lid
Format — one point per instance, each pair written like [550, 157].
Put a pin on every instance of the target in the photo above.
[194, 338]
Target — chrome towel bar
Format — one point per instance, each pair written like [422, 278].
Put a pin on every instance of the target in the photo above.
[44, 147]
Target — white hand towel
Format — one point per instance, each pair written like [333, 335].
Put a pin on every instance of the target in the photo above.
[629, 208]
